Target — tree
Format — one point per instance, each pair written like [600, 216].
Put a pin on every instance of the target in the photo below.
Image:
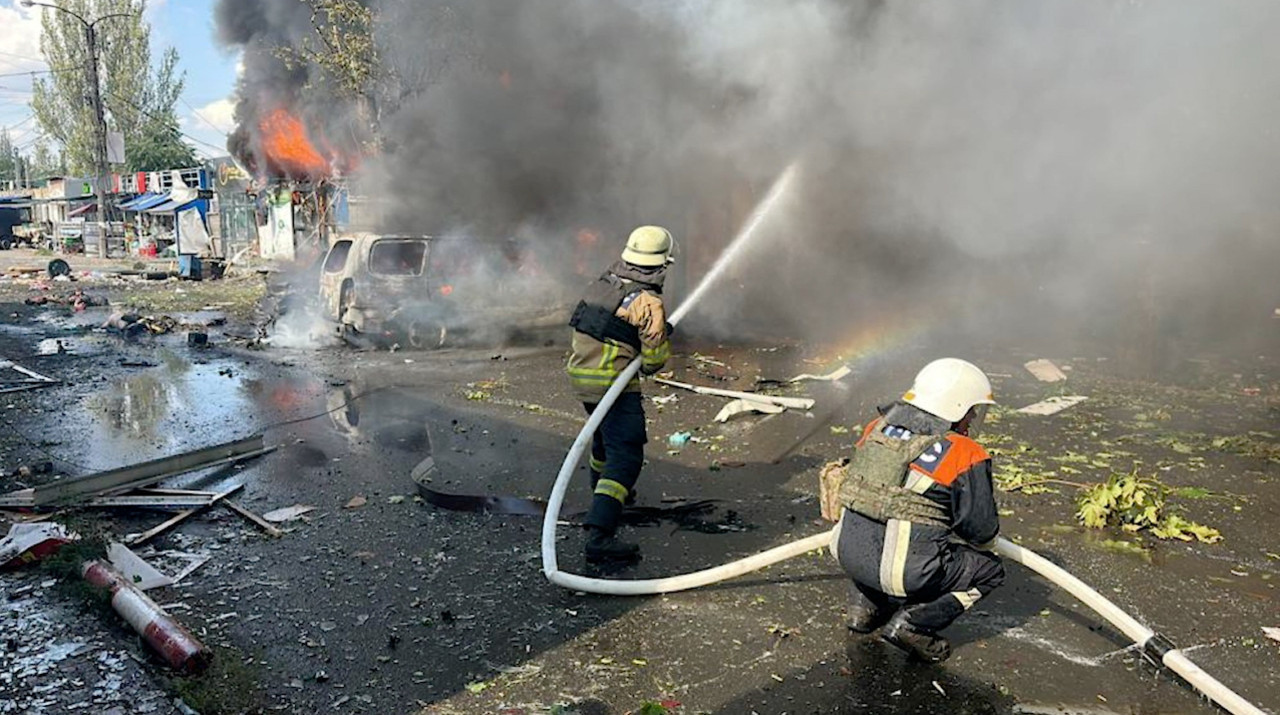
[8, 159]
[45, 162]
[361, 51]
[139, 102]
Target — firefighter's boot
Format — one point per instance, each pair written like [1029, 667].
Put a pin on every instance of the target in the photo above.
[864, 615]
[929, 647]
[603, 546]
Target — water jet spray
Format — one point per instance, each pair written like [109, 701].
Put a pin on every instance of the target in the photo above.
[1154, 646]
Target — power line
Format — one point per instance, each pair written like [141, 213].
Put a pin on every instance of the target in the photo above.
[33, 73]
[25, 57]
[177, 131]
[11, 127]
[41, 137]
[202, 118]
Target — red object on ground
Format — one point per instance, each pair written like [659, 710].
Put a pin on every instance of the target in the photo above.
[169, 638]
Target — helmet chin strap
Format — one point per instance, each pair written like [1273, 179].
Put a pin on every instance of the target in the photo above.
[971, 424]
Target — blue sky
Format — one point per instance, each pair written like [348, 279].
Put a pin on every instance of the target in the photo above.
[205, 108]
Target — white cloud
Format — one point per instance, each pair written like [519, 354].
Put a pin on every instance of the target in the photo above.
[20, 39]
[219, 113]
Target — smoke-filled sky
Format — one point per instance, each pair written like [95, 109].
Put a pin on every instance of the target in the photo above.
[1106, 158]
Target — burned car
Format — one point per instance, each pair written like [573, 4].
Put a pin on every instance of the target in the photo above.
[422, 291]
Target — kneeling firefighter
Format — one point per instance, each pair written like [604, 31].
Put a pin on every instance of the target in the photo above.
[621, 316]
[917, 511]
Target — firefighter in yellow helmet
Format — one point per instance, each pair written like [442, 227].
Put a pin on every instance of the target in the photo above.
[620, 316]
[919, 513]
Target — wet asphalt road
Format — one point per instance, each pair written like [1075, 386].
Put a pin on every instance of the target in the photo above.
[397, 607]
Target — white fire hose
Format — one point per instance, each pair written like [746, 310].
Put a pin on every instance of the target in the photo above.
[1155, 646]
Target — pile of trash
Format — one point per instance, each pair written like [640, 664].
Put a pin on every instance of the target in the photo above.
[77, 301]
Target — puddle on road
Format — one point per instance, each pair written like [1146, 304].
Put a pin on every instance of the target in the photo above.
[173, 406]
[56, 346]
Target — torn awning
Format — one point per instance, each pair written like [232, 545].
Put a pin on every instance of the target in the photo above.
[168, 207]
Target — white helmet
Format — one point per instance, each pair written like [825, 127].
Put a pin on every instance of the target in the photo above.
[948, 388]
[648, 246]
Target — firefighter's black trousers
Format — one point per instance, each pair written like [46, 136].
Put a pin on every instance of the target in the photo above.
[964, 576]
[617, 454]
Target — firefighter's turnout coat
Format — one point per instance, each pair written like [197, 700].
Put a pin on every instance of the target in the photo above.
[621, 316]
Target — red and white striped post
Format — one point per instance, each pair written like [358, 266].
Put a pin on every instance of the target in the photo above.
[168, 637]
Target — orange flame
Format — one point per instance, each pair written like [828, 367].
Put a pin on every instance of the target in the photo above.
[284, 138]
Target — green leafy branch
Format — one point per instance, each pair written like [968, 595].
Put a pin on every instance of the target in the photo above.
[1136, 503]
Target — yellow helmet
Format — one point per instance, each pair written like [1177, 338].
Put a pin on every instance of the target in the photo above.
[948, 387]
[648, 246]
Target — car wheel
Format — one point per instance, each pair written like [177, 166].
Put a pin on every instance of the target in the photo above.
[6, 242]
[58, 267]
[424, 334]
[346, 297]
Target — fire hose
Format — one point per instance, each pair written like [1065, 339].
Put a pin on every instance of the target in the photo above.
[1155, 646]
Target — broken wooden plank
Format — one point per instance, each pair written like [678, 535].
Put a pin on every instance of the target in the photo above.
[266, 526]
[139, 475]
[149, 534]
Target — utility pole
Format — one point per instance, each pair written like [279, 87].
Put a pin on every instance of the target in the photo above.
[99, 137]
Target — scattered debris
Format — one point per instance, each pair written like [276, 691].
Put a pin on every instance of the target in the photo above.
[355, 502]
[707, 360]
[518, 506]
[738, 407]
[26, 470]
[1272, 633]
[289, 513]
[253, 518]
[179, 648]
[799, 403]
[33, 380]
[134, 539]
[679, 439]
[664, 399]
[124, 479]
[1045, 371]
[140, 573]
[1052, 405]
[26, 543]
[838, 374]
